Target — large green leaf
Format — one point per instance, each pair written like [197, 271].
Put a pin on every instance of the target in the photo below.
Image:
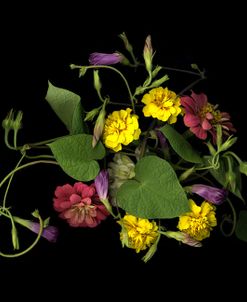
[67, 105]
[155, 192]
[180, 145]
[77, 157]
[241, 228]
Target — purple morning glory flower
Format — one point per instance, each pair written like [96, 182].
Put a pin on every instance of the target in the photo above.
[211, 194]
[101, 184]
[49, 232]
[98, 58]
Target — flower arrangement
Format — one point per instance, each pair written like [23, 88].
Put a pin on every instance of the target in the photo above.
[132, 158]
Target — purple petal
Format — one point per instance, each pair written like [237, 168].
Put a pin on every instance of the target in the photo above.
[211, 194]
[98, 58]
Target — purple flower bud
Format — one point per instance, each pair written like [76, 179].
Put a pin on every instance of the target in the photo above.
[211, 194]
[162, 139]
[50, 232]
[101, 184]
[98, 58]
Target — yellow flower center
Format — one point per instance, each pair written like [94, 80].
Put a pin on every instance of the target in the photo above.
[209, 108]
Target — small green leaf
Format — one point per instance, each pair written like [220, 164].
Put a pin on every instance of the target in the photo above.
[67, 105]
[77, 157]
[243, 167]
[232, 181]
[155, 192]
[241, 228]
[180, 145]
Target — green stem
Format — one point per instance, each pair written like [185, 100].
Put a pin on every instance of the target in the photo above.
[133, 58]
[117, 71]
[191, 85]
[31, 246]
[8, 186]
[144, 142]
[45, 142]
[15, 139]
[118, 104]
[6, 135]
[234, 155]
[25, 166]
[183, 71]
[40, 156]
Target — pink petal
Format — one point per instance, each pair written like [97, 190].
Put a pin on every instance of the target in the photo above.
[65, 190]
[75, 198]
[191, 120]
[225, 115]
[199, 132]
[209, 116]
[188, 103]
[200, 99]
[206, 125]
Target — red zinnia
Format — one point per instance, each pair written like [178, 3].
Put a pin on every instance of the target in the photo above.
[201, 116]
[79, 205]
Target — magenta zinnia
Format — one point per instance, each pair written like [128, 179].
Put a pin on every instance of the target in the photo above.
[79, 205]
[202, 117]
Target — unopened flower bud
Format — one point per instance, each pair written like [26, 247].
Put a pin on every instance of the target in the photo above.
[127, 45]
[97, 83]
[211, 194]
[184, 238]
[148, 54]
[99, 127]
[15, 240]
[98, 58]
[91, 114]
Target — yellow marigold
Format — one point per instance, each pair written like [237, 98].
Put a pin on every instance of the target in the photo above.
[121, 128]
[199, 222]
[162, 104]
[141, 233]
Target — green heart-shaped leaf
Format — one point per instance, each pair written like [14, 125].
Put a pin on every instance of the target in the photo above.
[77, 157]
[155, 192]
[67, 105]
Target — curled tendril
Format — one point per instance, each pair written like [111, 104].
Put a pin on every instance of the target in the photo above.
[41, 222]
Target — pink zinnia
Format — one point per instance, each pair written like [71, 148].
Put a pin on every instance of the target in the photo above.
[201, 116]
[79, 205]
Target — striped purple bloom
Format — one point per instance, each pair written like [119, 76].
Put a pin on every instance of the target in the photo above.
[101, 184]
[49, 232]
[98, 58]
[209, 193]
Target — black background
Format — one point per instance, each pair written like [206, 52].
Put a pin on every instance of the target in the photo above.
[39, 44]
